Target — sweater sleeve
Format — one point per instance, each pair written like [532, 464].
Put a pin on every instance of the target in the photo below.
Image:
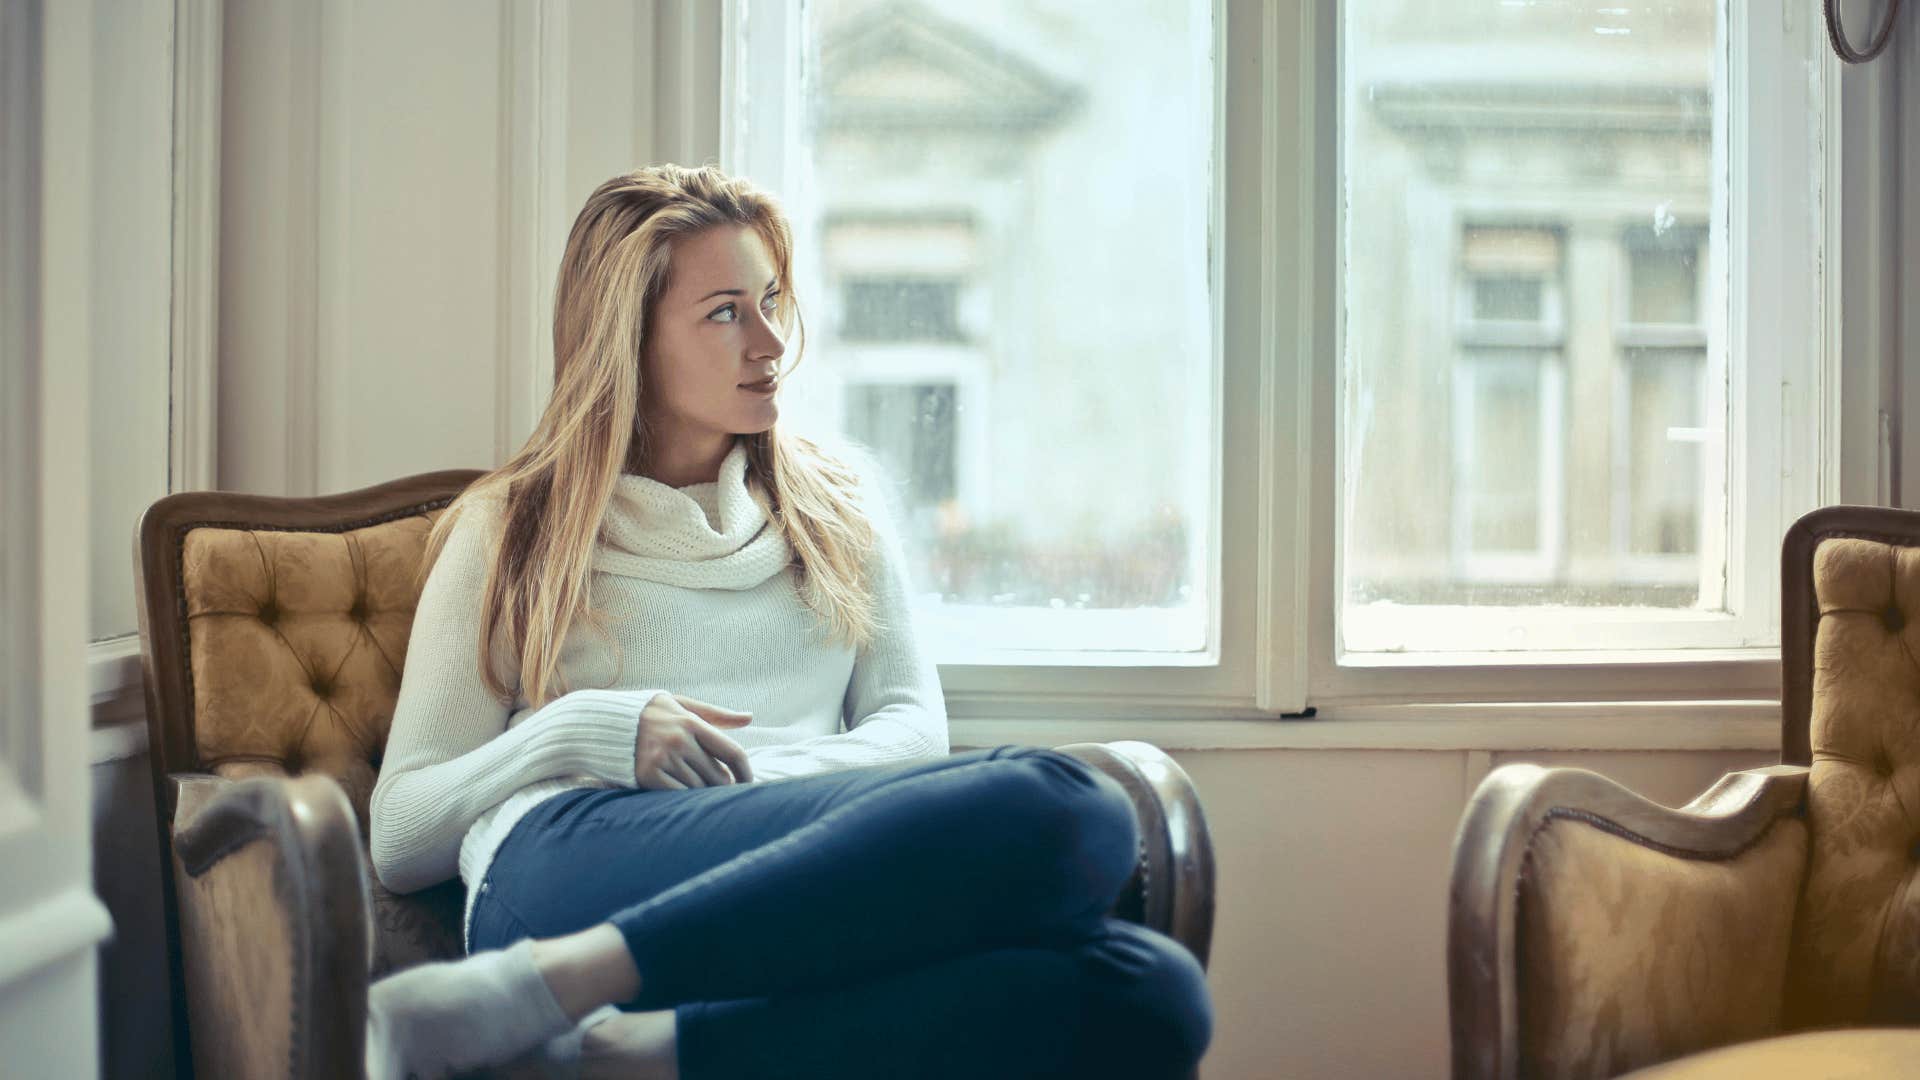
[450, 755]
[894, 710]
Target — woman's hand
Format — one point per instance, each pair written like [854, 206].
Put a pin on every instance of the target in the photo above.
[680, 745]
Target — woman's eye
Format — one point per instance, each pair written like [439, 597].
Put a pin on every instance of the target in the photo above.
[724, 313]
[771, 302]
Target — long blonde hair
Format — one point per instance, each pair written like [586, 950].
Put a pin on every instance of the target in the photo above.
[554, 491]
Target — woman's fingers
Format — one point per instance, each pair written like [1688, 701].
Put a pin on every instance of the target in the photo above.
[714, 714]
[725, 751]
[711, 774]
[676, 770]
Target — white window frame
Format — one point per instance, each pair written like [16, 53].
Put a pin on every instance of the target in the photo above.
[1278, 126]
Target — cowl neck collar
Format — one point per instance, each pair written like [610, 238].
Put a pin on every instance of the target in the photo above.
[714, 535]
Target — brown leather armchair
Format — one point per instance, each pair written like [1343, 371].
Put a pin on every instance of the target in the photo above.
[273, 634]
[1593, 933]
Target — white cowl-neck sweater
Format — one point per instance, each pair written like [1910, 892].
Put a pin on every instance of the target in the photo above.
[698, 599]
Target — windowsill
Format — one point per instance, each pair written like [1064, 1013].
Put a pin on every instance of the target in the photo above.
[1757, 657]
[120, 730]
[1651, 725]
[115, 688]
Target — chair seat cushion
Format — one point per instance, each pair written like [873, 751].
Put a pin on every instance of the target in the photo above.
[1837, 1055]
[415, 928]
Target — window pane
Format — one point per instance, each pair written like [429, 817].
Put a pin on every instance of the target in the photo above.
[1529, 192]
[1507, 298]
[1002, 219]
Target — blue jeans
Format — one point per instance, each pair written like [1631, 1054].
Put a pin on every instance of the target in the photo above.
[940, 919]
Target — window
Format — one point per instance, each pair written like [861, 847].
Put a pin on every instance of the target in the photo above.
[1006, 214]
[1469, 361]
[1556, 190]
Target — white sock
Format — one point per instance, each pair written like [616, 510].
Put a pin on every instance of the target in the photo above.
[437, 1019]
[559, 1057]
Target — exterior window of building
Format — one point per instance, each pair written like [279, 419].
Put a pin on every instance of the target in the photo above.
[912, 427]
[1660, 500]
[900, 309]
[1507, 392]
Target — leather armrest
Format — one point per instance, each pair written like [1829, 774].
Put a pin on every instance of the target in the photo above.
[1592, 931]
[1171, 889]
[274, 923]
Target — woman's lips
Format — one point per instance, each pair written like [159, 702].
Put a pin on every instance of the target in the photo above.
[764, 386]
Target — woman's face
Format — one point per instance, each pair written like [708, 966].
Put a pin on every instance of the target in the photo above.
[713, 344]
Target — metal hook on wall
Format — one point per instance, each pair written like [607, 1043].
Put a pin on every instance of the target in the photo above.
[1837, 34]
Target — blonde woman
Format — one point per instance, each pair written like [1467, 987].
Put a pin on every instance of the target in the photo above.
[664, 714]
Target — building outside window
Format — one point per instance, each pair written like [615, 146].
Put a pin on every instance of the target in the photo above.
[1013, 310]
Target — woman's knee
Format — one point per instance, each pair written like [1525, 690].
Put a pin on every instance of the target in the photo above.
[1085, 816]
[1150, 995]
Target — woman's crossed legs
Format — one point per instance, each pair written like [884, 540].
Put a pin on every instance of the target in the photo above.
[865, 922]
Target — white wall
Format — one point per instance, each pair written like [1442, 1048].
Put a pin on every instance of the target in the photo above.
[1329, 948]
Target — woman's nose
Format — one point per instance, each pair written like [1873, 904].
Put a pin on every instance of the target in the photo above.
[767, 342]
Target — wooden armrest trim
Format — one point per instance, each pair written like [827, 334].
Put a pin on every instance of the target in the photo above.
[246, 811]
[1507, 813]
[1173, 836]
[319, 880]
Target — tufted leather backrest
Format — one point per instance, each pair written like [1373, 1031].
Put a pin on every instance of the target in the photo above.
[296, 642]
[1852, 674]
[274, 632]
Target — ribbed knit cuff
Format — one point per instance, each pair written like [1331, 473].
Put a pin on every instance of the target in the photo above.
[596, 731]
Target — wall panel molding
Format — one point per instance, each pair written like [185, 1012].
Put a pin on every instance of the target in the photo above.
[196, 245]
[328, 386]
[688, 82]
[301, 339]
[533, 212]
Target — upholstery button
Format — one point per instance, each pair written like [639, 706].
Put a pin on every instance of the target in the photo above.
[269, 613]
[1894, 619]
[359, 609]
[322, 687]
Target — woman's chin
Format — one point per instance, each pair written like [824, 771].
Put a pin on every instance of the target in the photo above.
[759, 420]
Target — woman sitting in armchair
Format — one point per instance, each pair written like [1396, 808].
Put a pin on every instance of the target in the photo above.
[676, 861]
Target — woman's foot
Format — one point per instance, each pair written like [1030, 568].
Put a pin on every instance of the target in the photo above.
[442, 1018]
[631, 1046]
